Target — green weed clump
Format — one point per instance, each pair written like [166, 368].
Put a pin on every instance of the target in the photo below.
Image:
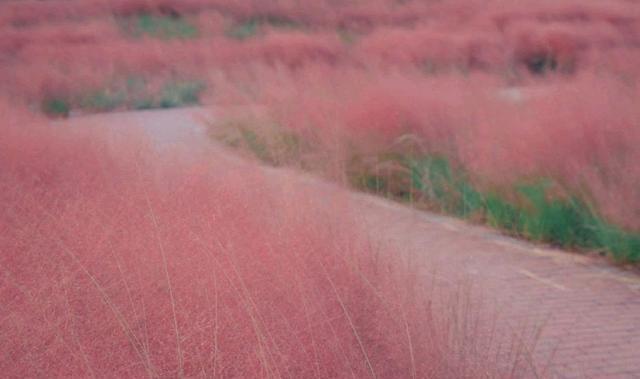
[162, 27]
[103, 100]
[180, 93]
[245, 29]
[529, 210]
[135, 93]
[533, 210]
[56, 107]
[275, 149]
[242, 30]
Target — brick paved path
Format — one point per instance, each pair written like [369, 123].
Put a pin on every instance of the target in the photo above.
[587, 310]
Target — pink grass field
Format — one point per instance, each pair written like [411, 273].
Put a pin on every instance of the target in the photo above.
[460, 71]
[119, 263]
[116, 261]
[587, 140]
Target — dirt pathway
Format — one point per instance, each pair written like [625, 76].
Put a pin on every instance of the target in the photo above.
[587, 311]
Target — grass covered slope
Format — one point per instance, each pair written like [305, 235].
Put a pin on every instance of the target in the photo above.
[555, 162]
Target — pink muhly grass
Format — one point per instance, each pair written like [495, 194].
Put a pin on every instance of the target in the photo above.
[118, 262]
[581, 138]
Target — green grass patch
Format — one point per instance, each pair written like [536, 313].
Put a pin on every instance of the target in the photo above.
[347, 36]
[275, 149]
[257, 145]
[623, 245]
[563, 222]
[103, 100]
[439, 184]
[533, 210]
[56, 107]
[501, 214]
[281, 22]
[245, 29]
[162, 27]
[133, 93]
[143, 104]
[180, 93]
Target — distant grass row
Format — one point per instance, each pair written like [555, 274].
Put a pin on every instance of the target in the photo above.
[158, 26]
[251, 27]
[539, 210]
[135, 94]
[180, 93]
[176, 27]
